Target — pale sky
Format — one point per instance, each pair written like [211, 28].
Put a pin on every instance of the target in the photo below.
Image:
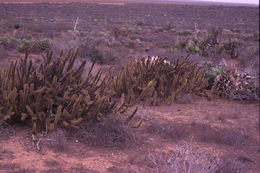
[237, 1]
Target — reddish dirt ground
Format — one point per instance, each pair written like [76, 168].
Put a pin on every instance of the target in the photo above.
[219, 127]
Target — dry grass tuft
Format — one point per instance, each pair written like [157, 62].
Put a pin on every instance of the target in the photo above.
[58, 140]
[112, 132]
[184, 159]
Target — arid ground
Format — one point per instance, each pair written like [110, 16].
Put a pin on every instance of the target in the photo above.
[194, 133]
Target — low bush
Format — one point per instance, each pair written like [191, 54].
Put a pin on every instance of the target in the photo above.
[120, 32]
[185, 32]
[184, 159]
[16, 26]
[25, 43]
[5, 39]
[89, 50]
[45, 44]
[212, 71]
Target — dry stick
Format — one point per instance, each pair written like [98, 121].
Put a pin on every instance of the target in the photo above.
[39, 140]
[33, 138]
[75, 26]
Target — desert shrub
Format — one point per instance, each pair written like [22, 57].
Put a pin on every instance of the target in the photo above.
[55, 93]
[231, 47]
[130, 44]
[25, 43]
[192, 48]
[212, 72]
[16, 26]
[159, 80]
[28, 37]
[179, 44]
[236, 85]
[184, 159]
[185, 32]
[5, 39]
[45, 44]
[21, 47]
[89, 50]
[158, 30]
[209, 42]
[120, 32]
[112, 132]
[8, 42]
[208, 45]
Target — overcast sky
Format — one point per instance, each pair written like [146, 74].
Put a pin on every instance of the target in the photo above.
[237, 1]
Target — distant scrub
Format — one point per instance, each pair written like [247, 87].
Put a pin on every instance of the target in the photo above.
[208, 45]
[21, 44]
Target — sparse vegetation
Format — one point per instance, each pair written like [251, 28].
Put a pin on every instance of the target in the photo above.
[185, 32]
[208, 45]
[185, 160]
[212, 72]
[16, 26]
[89, 50]
[5, 39]
[45, 44]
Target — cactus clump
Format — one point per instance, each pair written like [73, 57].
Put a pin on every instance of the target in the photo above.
[236, 85]
[158, 80]
[55, 93]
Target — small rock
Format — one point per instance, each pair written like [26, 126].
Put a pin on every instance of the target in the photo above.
[138, 41]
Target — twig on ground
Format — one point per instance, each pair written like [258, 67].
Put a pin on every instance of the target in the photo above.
[39, 140]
